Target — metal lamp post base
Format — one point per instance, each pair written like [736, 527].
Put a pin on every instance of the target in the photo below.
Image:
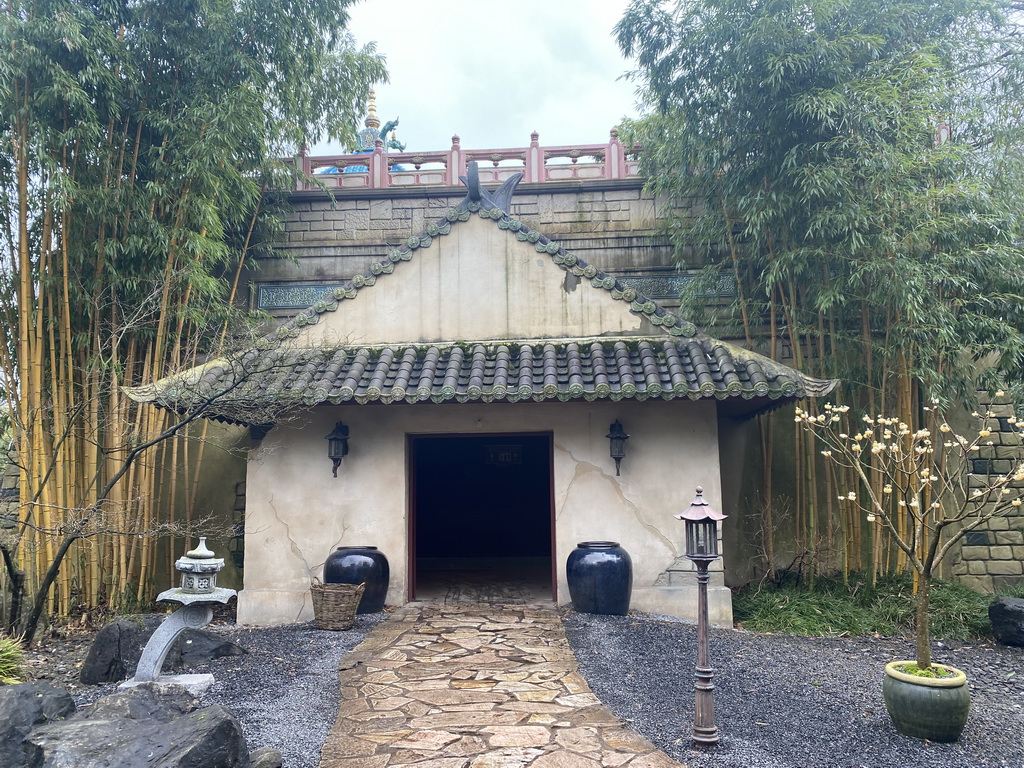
[705, 732]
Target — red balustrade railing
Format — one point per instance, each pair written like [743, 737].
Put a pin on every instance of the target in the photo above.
[383, 170]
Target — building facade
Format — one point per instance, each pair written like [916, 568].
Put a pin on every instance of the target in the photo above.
[478, 353]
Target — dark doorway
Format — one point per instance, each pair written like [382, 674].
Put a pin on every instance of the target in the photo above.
[481, 517]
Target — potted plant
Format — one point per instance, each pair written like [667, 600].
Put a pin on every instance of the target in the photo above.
[918, 487]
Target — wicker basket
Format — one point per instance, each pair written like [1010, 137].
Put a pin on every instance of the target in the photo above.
[334, 605]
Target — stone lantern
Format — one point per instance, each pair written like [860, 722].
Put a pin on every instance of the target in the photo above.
[198, 568]
[197, 594]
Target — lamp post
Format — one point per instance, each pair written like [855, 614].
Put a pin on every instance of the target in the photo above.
[702, 548]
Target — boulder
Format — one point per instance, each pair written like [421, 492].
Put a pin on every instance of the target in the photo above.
[145, 701]
[198, 646]
[266, 757]
[117, 648]
[1007, 617]
[24, 706]
[144, 725]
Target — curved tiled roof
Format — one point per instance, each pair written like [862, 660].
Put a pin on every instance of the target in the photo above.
[614, 369]
[682, 363]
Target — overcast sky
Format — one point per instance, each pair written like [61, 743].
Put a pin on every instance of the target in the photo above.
[492, 72]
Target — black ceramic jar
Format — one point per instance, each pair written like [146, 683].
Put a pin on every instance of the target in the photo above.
[600, 576]
[360, 565]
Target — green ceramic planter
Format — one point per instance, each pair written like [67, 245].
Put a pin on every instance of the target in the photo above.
[927, 708]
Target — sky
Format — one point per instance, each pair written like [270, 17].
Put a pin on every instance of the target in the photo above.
[493, 72]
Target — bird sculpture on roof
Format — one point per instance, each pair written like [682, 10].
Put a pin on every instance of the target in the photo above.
[500, 198]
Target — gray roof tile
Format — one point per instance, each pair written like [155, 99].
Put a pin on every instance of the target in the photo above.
[613, 369]
[681, 363]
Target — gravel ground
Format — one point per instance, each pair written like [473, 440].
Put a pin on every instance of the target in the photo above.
[789, 702]
[284, 691]
[781, 701]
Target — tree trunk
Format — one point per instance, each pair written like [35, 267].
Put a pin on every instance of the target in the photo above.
[924, 648]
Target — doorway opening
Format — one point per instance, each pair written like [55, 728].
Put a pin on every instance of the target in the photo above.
[481, 518]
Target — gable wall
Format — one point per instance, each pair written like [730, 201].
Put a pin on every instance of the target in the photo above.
[608, 224]
[478, 282]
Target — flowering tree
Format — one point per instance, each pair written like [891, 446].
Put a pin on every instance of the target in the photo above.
[917, 486]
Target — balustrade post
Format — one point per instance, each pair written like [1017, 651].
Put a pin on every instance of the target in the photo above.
[304, 165]
[379, 171]
[456, 165]
[534, 170]
[614, 157]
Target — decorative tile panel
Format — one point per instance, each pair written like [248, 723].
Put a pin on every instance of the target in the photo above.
[671, 286]
[293, 296]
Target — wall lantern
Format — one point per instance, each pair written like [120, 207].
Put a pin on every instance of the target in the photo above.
[702, 548]
[618, 437]
[337, 445]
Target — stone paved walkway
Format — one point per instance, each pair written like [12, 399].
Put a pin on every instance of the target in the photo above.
[475, 686]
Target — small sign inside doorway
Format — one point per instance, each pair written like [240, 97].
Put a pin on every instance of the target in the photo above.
[504, 455]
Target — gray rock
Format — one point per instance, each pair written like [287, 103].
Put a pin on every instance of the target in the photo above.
[198, 646]
[146, 701]
[117, 648]
[22, 707]
[266, 757]
[1007, 617]
[141, 726]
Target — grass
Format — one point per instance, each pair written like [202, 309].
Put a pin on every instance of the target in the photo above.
[856, 607]
[10, 660]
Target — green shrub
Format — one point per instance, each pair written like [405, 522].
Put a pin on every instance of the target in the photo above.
[798, 611]
[959, 613]
[1015, 591]
[857, 607]
[10, 660]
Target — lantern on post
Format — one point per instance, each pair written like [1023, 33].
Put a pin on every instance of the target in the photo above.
[701, 529]
[618, 437]
[337, 445]
[702, 548]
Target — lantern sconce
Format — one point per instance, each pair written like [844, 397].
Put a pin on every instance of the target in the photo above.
[618, 437]
[337, 445]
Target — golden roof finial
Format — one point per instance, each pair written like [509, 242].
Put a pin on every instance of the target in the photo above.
[372, 121]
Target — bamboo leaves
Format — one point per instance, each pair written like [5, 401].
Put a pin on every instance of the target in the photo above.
[857, 162]
[139, 137]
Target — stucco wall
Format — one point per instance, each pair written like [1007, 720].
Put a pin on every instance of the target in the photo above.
[478, 282]
[297, 513]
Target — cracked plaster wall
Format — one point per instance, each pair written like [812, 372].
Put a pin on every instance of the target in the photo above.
[297, 513]
[478, 282]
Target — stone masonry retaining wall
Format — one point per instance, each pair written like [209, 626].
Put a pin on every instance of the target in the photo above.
[610, 224]
[991, 558]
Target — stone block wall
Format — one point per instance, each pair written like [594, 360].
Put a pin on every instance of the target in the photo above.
[991, 558]
[610, 224]
[369, 217]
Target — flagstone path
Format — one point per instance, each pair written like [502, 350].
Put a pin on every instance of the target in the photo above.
[475, 686]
